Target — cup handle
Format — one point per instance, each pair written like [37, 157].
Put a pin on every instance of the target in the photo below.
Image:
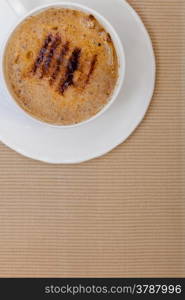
[18, 7]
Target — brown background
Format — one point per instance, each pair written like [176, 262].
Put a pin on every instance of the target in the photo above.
[116, 216]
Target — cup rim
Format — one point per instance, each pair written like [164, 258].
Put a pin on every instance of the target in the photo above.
[116, 41]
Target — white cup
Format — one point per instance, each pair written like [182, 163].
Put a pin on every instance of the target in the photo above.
[107, 26]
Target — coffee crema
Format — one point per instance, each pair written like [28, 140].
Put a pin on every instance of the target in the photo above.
[61, 66]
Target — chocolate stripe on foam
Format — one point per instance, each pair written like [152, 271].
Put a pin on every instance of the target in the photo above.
[42, 52]
[92, 67]
[47, 60]
[59, 61]
[71, 68]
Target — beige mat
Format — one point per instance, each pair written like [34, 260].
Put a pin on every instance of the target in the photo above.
[117, 216]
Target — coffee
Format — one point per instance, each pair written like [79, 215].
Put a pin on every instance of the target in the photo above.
[61, 66]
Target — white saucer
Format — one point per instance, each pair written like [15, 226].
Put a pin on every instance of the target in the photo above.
[74, 145]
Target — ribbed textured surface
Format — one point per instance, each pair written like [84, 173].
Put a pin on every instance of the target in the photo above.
[116, 216]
